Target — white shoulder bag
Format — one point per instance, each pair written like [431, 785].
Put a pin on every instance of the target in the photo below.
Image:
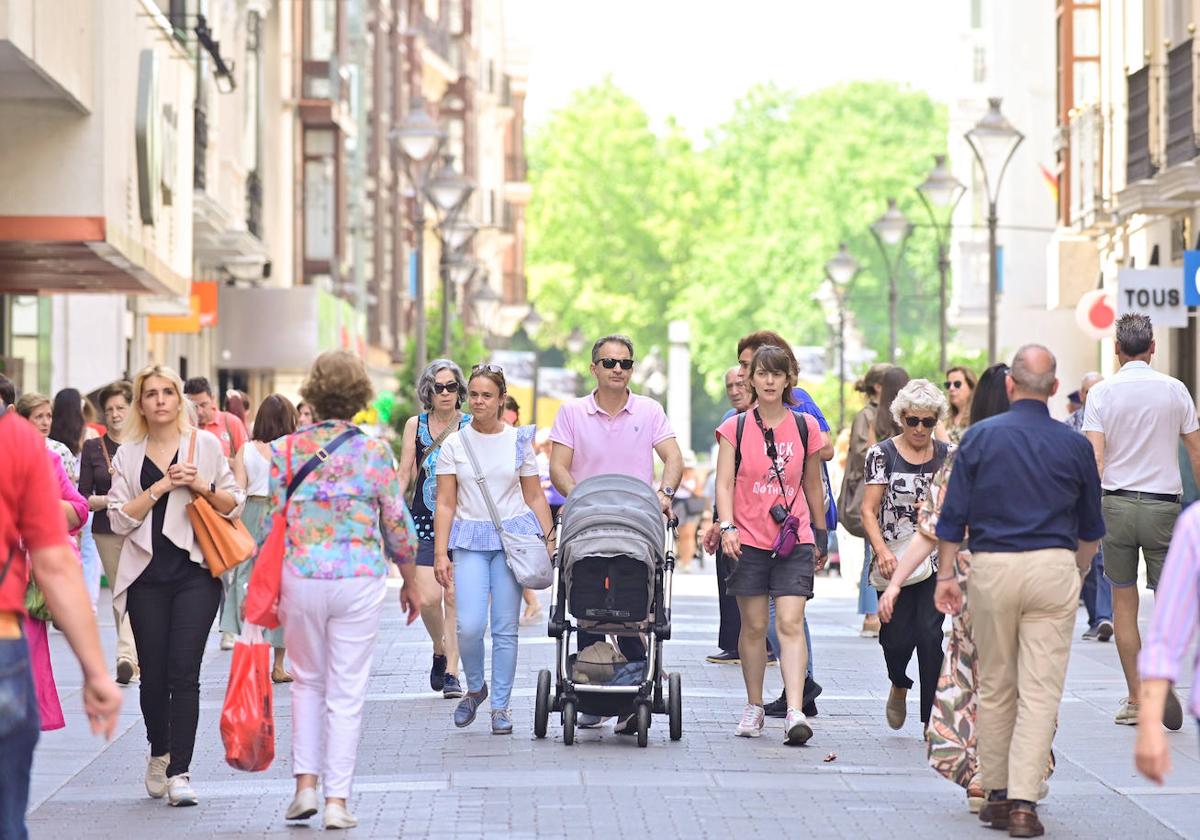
[526, 554]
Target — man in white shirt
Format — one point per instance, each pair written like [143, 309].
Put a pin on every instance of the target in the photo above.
[1134, 420]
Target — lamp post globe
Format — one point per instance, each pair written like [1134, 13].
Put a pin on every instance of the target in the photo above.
[576, 341]
[842, 267]
[449, 189]
[418, 136]
[940, 188]
[893, 226]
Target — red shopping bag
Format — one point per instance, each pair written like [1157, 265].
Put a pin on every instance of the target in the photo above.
[262, 594]
[247, 717]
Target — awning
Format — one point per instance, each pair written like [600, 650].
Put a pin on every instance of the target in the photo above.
[42, 254]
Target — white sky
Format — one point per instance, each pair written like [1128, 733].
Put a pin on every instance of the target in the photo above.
[694, 58]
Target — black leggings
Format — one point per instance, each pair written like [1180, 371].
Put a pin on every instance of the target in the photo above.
[171, 621]
[916, 625]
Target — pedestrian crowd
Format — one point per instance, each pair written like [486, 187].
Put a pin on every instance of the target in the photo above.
[971, 489]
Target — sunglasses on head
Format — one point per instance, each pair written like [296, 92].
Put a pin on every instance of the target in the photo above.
[445, 387]
[482, 366]
[948, 384]
[927, 422]
[609, 364]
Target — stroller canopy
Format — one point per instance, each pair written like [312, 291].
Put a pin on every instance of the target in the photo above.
[613, 515]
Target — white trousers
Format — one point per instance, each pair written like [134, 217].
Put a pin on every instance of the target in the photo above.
[329, 627]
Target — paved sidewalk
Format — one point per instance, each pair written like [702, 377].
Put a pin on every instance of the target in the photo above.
[419, 777]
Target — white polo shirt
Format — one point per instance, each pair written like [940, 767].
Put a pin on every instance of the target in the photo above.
[1142, 414]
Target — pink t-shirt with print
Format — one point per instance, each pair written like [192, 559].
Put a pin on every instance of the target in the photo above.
[756, 488]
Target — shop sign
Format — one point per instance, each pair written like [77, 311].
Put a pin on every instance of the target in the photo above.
[1157, 292]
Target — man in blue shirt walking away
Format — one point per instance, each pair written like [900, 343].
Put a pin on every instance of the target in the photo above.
[1027, 488]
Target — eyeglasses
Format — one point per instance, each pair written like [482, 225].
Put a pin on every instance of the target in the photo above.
[609, 364]
[445, 387]
[927, 422]
[486, 367]
[956, 384]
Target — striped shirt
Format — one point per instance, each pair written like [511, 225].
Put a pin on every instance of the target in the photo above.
[1176, 608]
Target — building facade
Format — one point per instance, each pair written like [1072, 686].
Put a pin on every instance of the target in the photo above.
[215, 184]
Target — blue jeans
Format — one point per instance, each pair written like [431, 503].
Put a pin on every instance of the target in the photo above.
[19, 728]
[89, 555]
[868, 598]
[773, 639]
[1097, 592]
[478, 574]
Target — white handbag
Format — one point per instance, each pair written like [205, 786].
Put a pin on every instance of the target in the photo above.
[922, 572]
[525, 554]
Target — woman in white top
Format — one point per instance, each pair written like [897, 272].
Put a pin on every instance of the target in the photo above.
[462, 523]
[276, 418]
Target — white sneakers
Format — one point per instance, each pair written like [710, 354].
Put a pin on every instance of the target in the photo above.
[796, 729]
[179, 791]
[305, 805]
[156, 775]
[751, 724]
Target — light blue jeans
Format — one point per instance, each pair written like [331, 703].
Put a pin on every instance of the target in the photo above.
[478, 575]
[868, 598]
[90, 557]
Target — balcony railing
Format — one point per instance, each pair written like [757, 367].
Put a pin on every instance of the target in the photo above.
[200, 137]
[1181, 106]
[1139, 165]
[1087, 163]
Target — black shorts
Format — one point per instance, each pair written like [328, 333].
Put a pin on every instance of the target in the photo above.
[425, 553]
[757, 574]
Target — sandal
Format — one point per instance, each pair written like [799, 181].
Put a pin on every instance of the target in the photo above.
[280, 676]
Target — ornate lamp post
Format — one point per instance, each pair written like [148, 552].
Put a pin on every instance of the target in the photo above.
[841, 270]
[448, 190]
[994, 141]
[891, 230]
[941, 191]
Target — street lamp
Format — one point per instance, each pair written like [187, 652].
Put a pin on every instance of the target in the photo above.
[841, 270]
[943, 191]
[890, 230]
[419, 138]
[994, 141]
[576, 341]
[448, 191]
[485, 303]
[532, 324]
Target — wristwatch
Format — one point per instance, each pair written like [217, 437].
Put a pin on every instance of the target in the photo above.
[727, 526]
[212, 488]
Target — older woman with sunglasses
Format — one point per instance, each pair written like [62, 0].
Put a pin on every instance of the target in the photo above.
[442, 390]
[898, 474]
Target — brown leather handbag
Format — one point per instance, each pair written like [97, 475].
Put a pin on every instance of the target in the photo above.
[225, 543]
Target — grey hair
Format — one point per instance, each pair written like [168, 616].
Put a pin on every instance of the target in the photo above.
[1036, 382]
[611, 339]
[919, 395]
[1090, 378]
[1135, 333]
[425, 382]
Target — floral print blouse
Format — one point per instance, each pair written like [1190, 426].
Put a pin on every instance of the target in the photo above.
[931, 509]
[349, 512]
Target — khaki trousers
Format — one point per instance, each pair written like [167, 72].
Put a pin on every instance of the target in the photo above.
[1023, 616]
[109, 546]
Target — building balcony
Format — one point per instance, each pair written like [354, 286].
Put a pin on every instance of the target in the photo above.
[1089, 206]
[221, 237]
[46, 51]
[1181, 105]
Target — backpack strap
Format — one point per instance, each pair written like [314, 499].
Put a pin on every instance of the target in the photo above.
[802, 428]
[737, 446]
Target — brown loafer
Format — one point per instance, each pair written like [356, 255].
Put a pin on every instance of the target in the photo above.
[995, 813]
[1024, 822]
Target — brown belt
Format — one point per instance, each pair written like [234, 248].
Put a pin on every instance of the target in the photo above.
[10, 625]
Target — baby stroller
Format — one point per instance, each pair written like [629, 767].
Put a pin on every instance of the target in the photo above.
[612, 575]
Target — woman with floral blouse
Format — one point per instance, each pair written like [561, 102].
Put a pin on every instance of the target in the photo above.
[345, 520]
[951, 731]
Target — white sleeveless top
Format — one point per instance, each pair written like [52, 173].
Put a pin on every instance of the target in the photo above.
[258, 471]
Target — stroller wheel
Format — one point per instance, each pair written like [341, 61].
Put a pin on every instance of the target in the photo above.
[568, 722]
[541, 711]
[643, 724]
[675, 706]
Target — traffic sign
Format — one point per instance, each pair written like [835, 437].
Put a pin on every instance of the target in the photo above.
[1152, 291]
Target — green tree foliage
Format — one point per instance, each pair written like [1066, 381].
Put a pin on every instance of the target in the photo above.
[630, 228]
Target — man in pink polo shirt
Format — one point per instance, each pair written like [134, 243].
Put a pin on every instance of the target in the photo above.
[614, 431]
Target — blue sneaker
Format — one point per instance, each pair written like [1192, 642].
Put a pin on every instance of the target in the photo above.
[451, 688]
[501, 722]
[464, 713]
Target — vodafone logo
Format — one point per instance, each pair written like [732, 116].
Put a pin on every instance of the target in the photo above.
[1096, 313]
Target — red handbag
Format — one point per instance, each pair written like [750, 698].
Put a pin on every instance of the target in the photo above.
[247, 716]
[262, 593]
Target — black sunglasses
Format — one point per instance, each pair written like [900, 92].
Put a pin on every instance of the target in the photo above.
[609, 364]
[948, 385]
[927, 422]
[483, 366]
[446, 387]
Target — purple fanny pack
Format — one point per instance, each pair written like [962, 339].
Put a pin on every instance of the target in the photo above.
[789, 535]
